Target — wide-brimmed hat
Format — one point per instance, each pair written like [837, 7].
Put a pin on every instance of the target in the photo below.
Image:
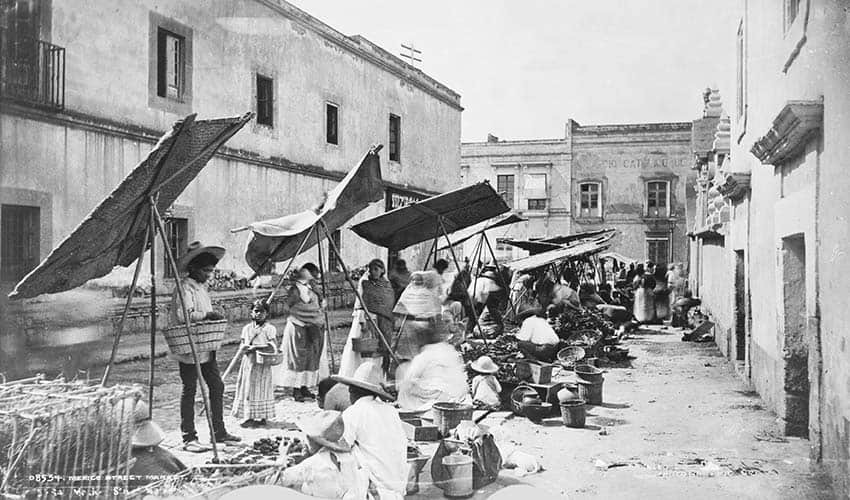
[484, 364]
[526, 312]
[326, 429]
[146, 432]
[367, 377]
[195, 249]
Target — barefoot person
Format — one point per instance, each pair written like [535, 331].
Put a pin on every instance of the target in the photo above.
[199, 262]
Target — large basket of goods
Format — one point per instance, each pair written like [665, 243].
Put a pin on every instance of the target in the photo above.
[208, 336]
[271, 357]
[568, 356]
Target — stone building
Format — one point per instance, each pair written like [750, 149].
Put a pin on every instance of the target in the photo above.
[634, 178]
[86, 91]
[773, 235]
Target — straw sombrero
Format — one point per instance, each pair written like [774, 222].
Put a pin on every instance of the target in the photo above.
[326, 429]
[484, 364]
[367, 377]
[195, 249]
[146, 433]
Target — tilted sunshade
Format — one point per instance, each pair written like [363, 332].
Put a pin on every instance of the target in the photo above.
[475, 231]
[420, 221]
[278, 240]
[112, 233]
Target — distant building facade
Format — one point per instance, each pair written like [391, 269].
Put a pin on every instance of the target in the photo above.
[86, 92]
[771, 237]
[634, 178]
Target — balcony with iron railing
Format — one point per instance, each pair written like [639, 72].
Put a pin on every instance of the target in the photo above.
[32, 71]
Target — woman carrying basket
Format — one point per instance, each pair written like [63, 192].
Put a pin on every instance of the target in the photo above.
[255, 388]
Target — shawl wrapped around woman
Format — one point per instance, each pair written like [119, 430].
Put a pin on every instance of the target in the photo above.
[378, 297]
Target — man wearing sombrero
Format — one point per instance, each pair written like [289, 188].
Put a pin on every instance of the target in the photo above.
[374, 429]
[199, 262]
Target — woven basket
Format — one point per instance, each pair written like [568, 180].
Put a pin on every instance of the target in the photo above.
[268, 358]
[207, 335]
[568, 356]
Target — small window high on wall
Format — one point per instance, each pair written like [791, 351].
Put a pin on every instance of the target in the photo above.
[395, 138]
[331, 123]
[590, 204]
[265, 101]
[505, 187]
[658, 199]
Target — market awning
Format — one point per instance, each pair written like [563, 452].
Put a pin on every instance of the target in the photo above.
[420, 221]
[112, 233]
[533, 247]
[569, 238]
[278, 240]
[554, 256]
[465, 234]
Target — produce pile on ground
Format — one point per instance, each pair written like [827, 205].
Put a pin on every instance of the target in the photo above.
[502, 350]
[201, 482]
[588, 328]
[266, 450]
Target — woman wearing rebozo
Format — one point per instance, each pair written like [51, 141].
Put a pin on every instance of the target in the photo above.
[303, 336]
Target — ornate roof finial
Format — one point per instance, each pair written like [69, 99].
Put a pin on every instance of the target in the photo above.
[714, 106]
[723, 135]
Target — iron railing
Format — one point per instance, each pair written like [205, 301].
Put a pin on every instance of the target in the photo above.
[32, 70]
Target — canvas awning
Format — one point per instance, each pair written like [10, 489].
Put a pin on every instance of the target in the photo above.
[112, 234]
[278, 240]
[569, 238]
[533, 247]
[465, 234]
[560, 255]
[420, 221]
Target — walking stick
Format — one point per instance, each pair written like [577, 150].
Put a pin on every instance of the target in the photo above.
[232, 364]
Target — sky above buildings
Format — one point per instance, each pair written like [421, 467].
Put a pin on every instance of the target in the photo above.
[524, 67]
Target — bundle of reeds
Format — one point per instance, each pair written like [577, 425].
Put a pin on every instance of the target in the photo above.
[205, 482]
[60, 438]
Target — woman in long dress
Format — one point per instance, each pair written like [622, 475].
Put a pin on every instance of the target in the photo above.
[379, 299]
[644, 305]
[418, 307]
[303, 343]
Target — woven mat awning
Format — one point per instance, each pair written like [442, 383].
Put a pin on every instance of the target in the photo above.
[420, 221]
[112, 233]
[554, 256]
[464, 235]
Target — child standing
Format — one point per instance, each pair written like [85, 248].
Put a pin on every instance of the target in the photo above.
[255, 387]
[485, 387]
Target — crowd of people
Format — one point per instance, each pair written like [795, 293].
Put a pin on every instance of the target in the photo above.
[400, 354]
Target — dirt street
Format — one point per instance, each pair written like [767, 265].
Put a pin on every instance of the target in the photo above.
[675, 424]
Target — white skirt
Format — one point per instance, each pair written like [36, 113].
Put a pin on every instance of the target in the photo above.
[350, 360]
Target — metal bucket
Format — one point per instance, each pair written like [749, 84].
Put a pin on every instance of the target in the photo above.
[591, 392]
[459, 482]
[573, 413]
[447, 416]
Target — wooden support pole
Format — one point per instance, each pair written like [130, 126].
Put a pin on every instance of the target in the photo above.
[153, 306]
[457, 266]
[120, 328]
[325, 309]
[501, 275]
[366, 312]
[187, 321]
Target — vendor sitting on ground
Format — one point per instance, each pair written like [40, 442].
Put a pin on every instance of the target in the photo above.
[588, 296]
[436, 374]
[536, 338]
[376, 432]
[681, 308]
[331, 470]
[485, 387]
[152, 462]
